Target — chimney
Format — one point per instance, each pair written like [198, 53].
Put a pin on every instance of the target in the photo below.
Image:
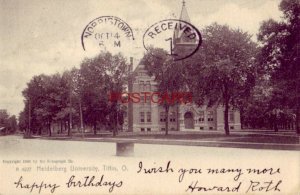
[130, 89]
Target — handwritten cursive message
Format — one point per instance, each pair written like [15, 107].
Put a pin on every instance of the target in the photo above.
[68, 176]
[245, 180]
[72, 182]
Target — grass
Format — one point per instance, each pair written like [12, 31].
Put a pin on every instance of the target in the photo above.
[204, 136]
[246, 138]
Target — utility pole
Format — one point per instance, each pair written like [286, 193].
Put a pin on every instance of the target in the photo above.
[81, 118]
[117, 123]
[297, 91]
[130, 90]
[29, 118]
[70, 106]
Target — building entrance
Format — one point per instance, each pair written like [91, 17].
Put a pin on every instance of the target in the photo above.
[188, 120]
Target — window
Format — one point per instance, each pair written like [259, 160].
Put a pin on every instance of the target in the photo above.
[148, 99]
[142, 116]
[148, 116]
[162, 117]
[201, 116]
[142, 99]
[172, 117]
[141, 86]
[210, 116]
[142, 129]
[231, 116]
[201, 128]
[148, 86]
[148, 129]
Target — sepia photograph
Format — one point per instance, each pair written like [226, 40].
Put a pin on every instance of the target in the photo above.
[150, 97]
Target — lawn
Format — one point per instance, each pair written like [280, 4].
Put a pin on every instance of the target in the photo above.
[253, 138]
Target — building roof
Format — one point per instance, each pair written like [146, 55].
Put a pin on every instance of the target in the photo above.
[184, 14]
[184, 17]
[178, 36]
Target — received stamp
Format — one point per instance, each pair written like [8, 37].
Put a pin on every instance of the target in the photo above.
[180, 38]
[106, 33]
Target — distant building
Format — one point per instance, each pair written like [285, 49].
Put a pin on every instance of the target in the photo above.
[3, 121]
[2, 130]
[149, 116]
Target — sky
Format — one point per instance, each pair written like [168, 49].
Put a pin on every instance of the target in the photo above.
[44, 36]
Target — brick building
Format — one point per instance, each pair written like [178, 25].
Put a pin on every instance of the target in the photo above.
[149, 116]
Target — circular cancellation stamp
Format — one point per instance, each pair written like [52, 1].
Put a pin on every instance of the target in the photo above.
[180, 38]
[106, 33]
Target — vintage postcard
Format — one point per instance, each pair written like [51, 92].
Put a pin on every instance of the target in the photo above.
[150, 97]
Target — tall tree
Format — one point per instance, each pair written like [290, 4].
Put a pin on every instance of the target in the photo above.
[57, 98]
[69, 98]
[223, 70]
[4, 120]
[281, 51]
[168, 75]
[116, 76]
[22, 122]
[99, 76]
[77, 89]
[34, 96]
[44, 100]
[13, 124]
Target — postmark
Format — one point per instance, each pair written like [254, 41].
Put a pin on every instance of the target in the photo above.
[180, 38]
[106, 33]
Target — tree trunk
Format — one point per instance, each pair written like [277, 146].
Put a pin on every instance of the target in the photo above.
[114, 127]
[298, 121]
[95, 127]
[29, 118]
[226, 97]
[69, 126]
[242, 117]
[116, 121]
[70, 109]
[177, 117]
[61, 126]
[70, 120]
[69, 129]
[275, 122]
[167, 119]
[66, 125]
[114, 131]
[275, 125]
[81, 117]
[49, 129]
[226, 124]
